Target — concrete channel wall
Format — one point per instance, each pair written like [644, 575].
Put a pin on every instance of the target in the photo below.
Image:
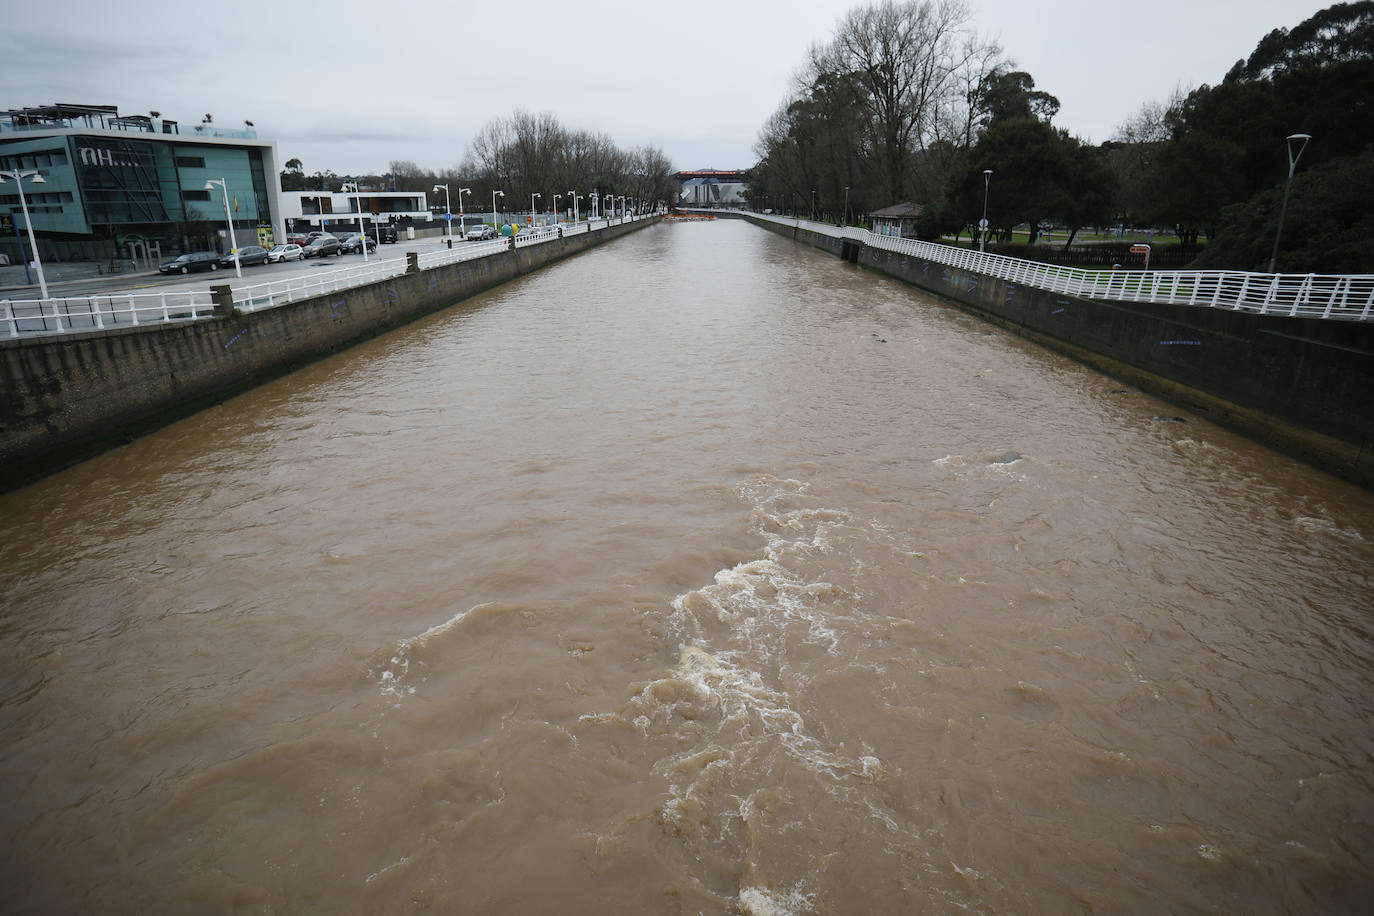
[1302, 385]
[68, 397]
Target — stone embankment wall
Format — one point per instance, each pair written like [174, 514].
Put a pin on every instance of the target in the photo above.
[1302, 385]
[71, 396]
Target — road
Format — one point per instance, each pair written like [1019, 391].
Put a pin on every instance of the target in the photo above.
[263, 273]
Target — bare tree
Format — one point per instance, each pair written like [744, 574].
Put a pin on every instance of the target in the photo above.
[407, 176]
[907, 55]
[1150, 123]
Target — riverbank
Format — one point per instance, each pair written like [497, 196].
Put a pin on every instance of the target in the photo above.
[1302, 385]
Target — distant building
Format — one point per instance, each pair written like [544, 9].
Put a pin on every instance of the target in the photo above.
[337, 211]
[134, 187]
[711, 188]
[898, 220]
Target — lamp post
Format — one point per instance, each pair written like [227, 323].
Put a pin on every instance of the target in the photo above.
[448, 213]
[494, 195]
[37, 177]
[573, 195]
[1292, 164]
[462, 217]
[622, 207]
[983, 223]
[844, 217]
[233, 245]
[532, 197]
[813, 203]
[358, 200]
[556, 199]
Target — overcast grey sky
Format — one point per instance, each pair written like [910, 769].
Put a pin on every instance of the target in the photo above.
[351, 86]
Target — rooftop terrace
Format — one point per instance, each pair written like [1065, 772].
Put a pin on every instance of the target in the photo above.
[66, 116]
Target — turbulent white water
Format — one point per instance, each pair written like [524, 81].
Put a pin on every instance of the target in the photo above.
[701, 573]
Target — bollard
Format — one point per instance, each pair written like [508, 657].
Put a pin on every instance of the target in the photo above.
[223, 297]
[450, 244]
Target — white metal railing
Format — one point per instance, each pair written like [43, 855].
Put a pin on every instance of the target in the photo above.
[115, 310]
[279, 292]
[36, 317]
[1348, 297]
[462, 251]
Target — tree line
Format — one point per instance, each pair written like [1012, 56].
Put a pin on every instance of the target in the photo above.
[906, 103]
[521, 155]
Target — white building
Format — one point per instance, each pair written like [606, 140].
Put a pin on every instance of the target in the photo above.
[338, 211]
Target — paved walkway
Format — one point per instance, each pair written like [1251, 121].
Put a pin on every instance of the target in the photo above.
[64, 278]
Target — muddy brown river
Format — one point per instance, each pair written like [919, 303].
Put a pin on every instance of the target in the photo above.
[700, 573]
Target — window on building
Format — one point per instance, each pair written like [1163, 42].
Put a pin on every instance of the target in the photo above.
[191, 162]
[195, 195]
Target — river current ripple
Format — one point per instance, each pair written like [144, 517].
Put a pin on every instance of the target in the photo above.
[700, 573]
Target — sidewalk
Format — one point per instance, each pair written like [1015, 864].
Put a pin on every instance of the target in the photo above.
[68, 276]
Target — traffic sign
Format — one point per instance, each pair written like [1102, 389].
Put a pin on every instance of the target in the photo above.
[982, 224]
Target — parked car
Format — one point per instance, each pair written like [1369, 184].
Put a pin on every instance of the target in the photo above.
[190, 263]
[317, 234]
[248, 255]
[297, 238]
[387, 234]
[480, 233]
[321, 247]
[288, 252]
[354, 244]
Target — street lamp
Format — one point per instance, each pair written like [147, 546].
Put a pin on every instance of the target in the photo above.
[358, 200]
[233, 245]
[556, 199]
[573, 195]
[1292, 164]
[448, 213]
[844, 217]
[532, 197]
[983, 224]
[813, 203]
[38, 178]
[494, 195]
[462, 217]
[622, 207]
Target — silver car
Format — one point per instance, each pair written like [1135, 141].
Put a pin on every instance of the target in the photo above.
[280, 253]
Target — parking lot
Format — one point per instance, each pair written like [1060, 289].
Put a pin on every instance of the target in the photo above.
[76, 279]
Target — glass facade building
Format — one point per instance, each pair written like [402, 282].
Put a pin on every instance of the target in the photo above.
[126, 192]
